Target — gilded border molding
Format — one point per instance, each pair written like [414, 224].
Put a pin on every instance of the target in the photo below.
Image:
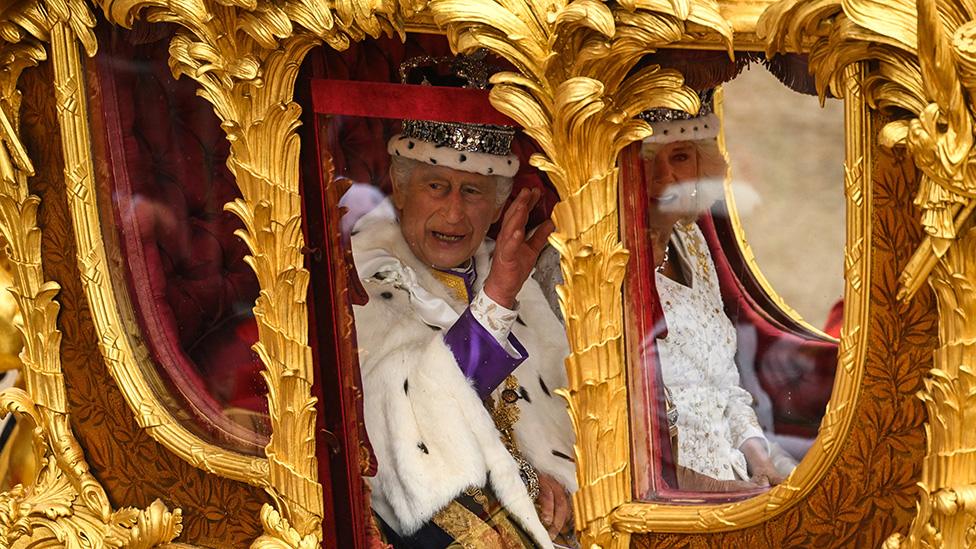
[922, 57]
[120, 359]
[65, 503]
[637, 517]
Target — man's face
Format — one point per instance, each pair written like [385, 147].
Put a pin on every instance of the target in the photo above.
[672, 175]
[445, 213]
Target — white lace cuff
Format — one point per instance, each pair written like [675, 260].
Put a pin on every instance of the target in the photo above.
[496, 319]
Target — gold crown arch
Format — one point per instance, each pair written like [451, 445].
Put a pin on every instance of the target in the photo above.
[922, 59]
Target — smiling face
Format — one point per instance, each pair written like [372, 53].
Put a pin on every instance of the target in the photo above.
[672, 174]
[445, 213]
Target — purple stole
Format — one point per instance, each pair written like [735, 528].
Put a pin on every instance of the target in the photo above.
[479, 355]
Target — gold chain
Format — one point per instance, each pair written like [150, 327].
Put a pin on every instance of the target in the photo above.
[505, 414]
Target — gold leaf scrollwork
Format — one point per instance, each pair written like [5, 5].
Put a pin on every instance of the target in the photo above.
[64, 503]
[52, 510]
[923, 74]
[280, 535]
[253, 99]
[576, 97]
[154, 526]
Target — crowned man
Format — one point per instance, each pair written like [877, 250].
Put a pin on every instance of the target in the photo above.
[460, 352]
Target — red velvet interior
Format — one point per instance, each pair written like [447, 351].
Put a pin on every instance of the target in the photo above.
[191, 290]
[799, 403]
[650, 435]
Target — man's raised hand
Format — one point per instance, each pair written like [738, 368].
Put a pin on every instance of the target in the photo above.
[516, 254]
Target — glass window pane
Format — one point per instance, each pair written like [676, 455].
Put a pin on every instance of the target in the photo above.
[730, 384]
[459, 382]
[181, 272]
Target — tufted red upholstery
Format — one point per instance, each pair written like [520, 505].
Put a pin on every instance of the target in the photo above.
[191, 289]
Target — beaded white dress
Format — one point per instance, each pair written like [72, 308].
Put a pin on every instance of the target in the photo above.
[698, 366]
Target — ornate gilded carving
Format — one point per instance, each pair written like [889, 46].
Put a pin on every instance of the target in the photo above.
[64, 503]
[922, 54]
[52, 511]
[947, 499]
[245, 57]
[151, 413]
[920, 77]
[280, 535]
[869, 489]
[575, 99]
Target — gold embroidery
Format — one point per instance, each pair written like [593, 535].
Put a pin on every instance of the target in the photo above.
[478, 496]
[468, 531]
[510, 535]
[505, 414]
[690, 241]
[454, 283]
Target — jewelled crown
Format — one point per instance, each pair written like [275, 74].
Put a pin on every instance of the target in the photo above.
[478, 148]
[654, 116]
[671, 125]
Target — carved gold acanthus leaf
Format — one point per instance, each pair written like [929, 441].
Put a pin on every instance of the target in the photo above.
[575, 96]
[35, 296]
[154, 526]
[922, 59]
[280, 535]
[947, 491]
[266, 22]
[64, 503]
[51, 510]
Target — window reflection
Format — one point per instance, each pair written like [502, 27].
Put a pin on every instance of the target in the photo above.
[448, 372]
[181, 266]
[717, 367]
[792, 126]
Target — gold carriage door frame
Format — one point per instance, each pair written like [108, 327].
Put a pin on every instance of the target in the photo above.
[332, 271]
